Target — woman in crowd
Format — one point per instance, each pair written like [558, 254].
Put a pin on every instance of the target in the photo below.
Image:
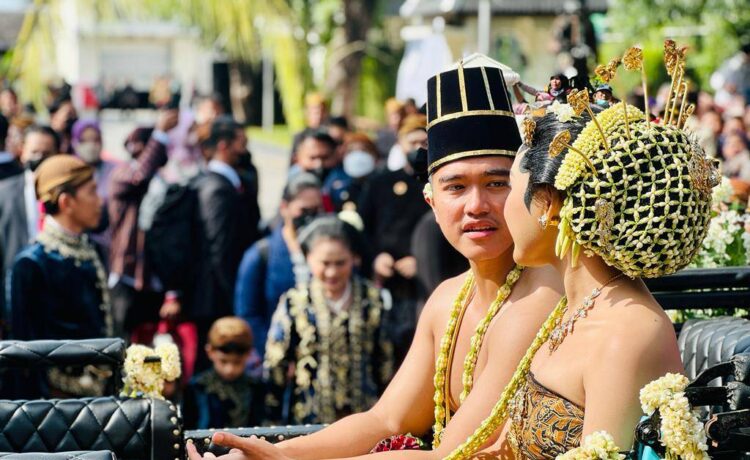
[326, 339]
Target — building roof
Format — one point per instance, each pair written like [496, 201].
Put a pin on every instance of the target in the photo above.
[10, 25]
[430, 8]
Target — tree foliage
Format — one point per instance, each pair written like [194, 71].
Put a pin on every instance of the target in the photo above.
[714, 29]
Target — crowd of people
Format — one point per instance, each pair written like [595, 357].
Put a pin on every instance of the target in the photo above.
[170, 243]
[305, 317]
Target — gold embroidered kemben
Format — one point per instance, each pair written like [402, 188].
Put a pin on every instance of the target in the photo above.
[469, 100]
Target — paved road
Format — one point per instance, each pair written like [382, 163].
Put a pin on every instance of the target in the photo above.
[271, 161]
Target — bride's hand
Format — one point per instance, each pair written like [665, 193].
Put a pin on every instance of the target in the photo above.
[241, 449]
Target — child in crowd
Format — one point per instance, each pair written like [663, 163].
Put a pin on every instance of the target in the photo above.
[327, 354]
[225, 395]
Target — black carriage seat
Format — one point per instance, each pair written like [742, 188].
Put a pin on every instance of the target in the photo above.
[706, 342]
[42, 354]
[131, 429]
[79, 455]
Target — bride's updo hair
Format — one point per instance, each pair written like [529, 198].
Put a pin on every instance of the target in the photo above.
[542, 168]
[639, 196]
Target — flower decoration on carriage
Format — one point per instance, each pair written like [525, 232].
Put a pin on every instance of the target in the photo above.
[146, 370]
[681, 433]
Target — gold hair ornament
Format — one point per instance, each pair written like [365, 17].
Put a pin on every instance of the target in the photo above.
[633, 60]
[579, 100]
[529, 126]
[561, 142]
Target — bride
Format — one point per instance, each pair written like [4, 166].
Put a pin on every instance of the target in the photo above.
[606, 199]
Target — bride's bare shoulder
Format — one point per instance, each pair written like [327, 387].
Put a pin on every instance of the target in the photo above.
[541, 281]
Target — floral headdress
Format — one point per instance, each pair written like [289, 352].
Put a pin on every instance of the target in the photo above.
[638, 193]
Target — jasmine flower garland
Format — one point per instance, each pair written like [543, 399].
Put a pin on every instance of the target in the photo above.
[596, 446]
[681, 432]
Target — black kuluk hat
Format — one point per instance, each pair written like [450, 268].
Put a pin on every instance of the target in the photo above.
[469, 113]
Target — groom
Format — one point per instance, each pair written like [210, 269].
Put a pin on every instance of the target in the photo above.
[473, 138]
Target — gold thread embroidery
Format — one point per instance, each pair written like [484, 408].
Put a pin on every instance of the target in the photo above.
[437, 92]
[470, 153]
[487, 88]
[469, 113]
[462, 88]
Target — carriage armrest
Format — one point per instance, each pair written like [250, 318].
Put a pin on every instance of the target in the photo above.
[46, 353]
[274, 434]
[78, 455]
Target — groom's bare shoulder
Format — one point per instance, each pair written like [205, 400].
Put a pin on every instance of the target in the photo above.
[439, 304]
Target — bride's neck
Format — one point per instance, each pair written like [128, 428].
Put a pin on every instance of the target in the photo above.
[588, 274]
[489, 275]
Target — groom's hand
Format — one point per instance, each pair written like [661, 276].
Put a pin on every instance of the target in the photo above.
[250, 448]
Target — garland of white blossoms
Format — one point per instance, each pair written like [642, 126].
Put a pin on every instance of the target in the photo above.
[146, 378]
[681, 432]
[596, 446]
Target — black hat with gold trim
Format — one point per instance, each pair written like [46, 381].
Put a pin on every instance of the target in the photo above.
[469, 114]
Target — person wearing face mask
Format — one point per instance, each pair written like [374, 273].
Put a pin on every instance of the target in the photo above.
[391, 206]
[275, 263]
[360, 160]
[86, 139]
[20, 214]
[316, 154]
[603, 96]
[63, 116]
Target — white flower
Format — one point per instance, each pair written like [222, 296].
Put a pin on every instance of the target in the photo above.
[563, 112]
[723, 192]
[724, 237]
[146, 378]
[427, 191]
[596, 446]
[170, 361]
[681, 431]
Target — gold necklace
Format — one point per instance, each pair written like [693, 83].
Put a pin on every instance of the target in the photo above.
[500, 410]
[447, 347]
[563, 328]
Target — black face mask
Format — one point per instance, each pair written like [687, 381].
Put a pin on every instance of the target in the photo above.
[418, 161]
[321, 173]
[69, 125]
[307, 216]
[33, 164]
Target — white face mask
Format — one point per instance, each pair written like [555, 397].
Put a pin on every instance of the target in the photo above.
[90, 152]
[358, 163]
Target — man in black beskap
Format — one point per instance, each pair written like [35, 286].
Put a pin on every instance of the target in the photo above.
[391, 206]
[228, 223]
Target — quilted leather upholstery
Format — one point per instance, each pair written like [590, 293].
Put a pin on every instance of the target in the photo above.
[80, 455]
[707, 342]
[46, 353]
[133, 429]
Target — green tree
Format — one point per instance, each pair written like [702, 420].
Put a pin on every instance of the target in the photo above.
[713, 28]
[243, 29]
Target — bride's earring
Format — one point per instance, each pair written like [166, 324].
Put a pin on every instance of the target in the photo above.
[543, 222]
